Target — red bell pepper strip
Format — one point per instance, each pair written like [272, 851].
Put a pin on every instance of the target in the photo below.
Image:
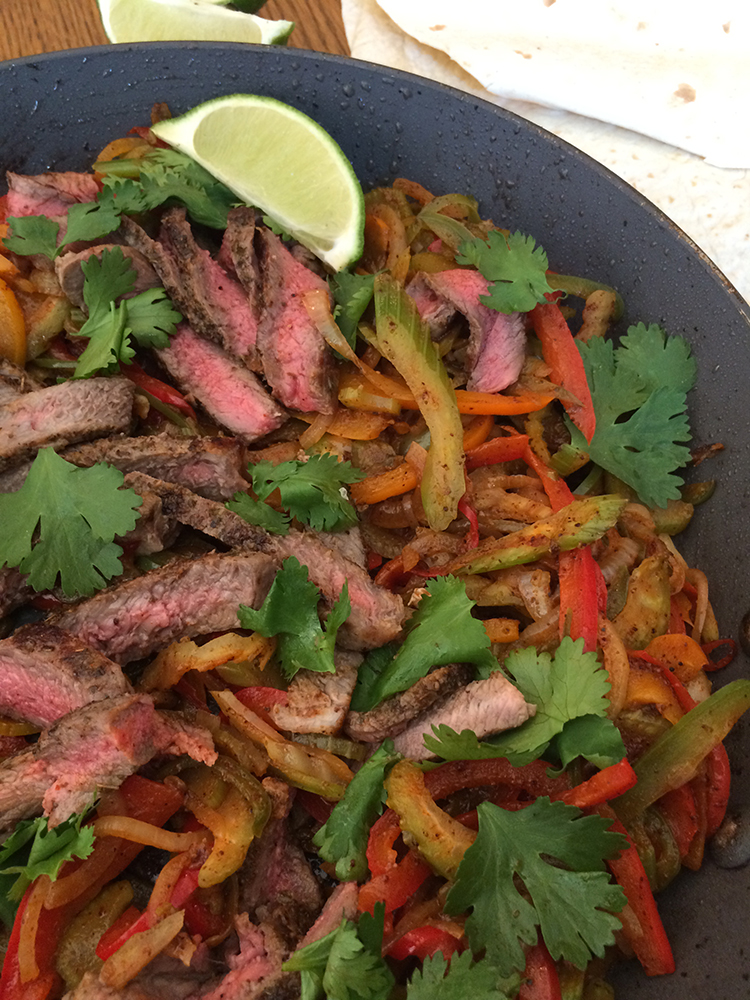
[650, 942]
[466, 507]
[540, 979]
[720, 653]
[48, 981]
[259, 699]
[531, 778]
[374, 560]
[499, 449]
[115, 935]
[561, 354]
[601, 787]
[684, 698]
[423, 942]
[393, 881]
[676, 621]
[718, 779]
[583, 596]
[3, 207]
[159, 390]
[679, 809]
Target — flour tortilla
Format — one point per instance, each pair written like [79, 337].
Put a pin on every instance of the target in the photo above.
[675, 71]
[711, 204]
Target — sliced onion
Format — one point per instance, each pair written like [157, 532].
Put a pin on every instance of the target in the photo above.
[140, 832]
[139, 950]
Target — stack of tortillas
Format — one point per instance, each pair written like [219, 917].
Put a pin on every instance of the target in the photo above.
[653, 89]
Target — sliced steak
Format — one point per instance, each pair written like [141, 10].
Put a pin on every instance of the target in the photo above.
[394, 714]
[213, 302]
[14, 381]
[437, 312]
[255, 970]
[296, 360]
[377, 615]
[93, 747]
[486, 707]
[497, 342]
[62, 414]
[46, 673]
[154, 530]
[210, 466]
[187, 597]
[208, 516]
[70, 274]
[238, 253]
[225, 387]
[277, 885]
[340, 905]
[49, 194]
[317, 702]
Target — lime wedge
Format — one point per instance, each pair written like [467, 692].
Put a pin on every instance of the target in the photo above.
[280, 161]
[186, 20]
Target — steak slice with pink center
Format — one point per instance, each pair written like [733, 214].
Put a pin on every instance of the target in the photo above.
[49, 194]
[497, 341]
[187, 597]
[46, 673]
[296, 360]
[226, 388]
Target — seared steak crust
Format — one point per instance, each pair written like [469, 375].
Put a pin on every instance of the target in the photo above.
[213, 302]
[46, 673]
[394, 714]
[70, 274]
[210, 466]
[63, 414]
[14, 381]
[187, 597]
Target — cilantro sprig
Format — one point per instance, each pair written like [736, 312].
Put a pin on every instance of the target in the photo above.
[462, 978]
[514, 266]
[33, 850]
[345, 964]
[148, 317]
[78, 513]
[352, 294]
[442, 630]
[342, 840]
[529, 871]
[310, 491]
[290, 612]
[570, 694]
[639, 391]
[36, 234]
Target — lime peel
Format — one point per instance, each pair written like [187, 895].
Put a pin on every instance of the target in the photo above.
[279, 160]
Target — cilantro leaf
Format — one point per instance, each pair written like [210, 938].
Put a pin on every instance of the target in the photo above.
[521, 845]
[33, 850]
[592, 737]
[442, 630]
[88, 220]
[352, 294]
[571, 685]
[464, 978]
[260, 513]
[639, 395]
[290, 611]
[340, 965]
[148, 316]
[166, 176]
[78, 513]
[311, 490]
[32, 234]
[515, 267]
[343, 838]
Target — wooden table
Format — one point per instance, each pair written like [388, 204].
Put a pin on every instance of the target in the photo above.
[28, 27]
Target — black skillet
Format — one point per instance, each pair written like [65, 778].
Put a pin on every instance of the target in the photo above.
[59, 110]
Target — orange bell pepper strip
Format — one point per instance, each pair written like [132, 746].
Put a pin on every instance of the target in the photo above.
[496, 450]
[558, 492]
[562, 355]
[646, 935]
[12, 327]
[393, 882]
[392, 483]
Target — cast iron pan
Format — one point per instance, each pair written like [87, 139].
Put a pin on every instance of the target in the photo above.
[60, 109]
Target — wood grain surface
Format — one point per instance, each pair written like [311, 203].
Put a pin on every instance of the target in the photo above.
[28, 27]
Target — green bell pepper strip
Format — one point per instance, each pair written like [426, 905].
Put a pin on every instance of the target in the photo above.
[582, 288]
[676, 756]
[404, 340]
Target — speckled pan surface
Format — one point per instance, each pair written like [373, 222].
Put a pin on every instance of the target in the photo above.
[60, 109]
